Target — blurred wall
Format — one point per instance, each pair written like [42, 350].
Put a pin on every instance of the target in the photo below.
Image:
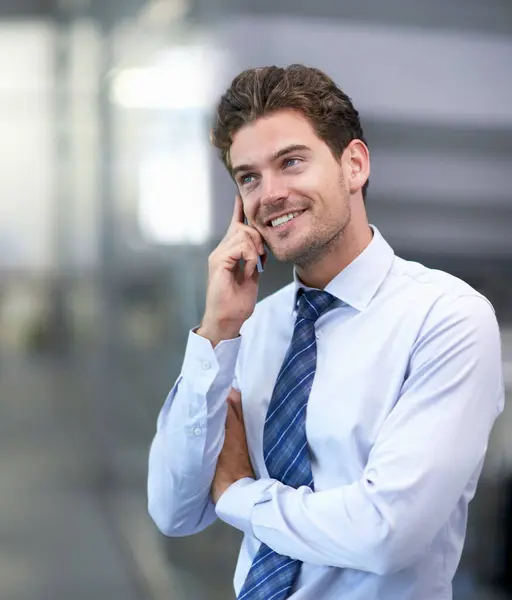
[27, 150]
[48, 119]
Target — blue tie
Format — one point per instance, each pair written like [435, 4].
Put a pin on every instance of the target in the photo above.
[285, 447]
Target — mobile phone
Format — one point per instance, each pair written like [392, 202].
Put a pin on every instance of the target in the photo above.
[259, 264]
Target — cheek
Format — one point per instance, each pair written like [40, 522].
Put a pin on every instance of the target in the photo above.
[309, 184]
[250, 204]
[326, 187]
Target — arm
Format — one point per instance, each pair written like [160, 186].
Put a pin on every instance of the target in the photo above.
[189, 438]
[430, 447]
[191, 427]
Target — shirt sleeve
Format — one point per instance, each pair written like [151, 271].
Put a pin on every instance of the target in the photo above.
[429, 452]
[189, 438]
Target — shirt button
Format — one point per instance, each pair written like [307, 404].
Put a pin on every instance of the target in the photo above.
[206, 365]
[198, 431]
[317, 335]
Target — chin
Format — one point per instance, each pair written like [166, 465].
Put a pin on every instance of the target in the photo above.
[295, 255]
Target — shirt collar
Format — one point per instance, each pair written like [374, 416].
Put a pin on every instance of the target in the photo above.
[357, 284]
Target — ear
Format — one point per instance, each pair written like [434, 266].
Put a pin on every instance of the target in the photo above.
[357, 165]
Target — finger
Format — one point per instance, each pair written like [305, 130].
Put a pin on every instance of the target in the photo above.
[235, 395]
[242, 247]
[239, 412]
[264, 259]
[250, 253]
[256, 238]
[256, 241]
[234, 420]
[251, 262]
[232, 250]
[238, 213]
[246, 232]
[236, 405]
[238, 225]
[231, 416]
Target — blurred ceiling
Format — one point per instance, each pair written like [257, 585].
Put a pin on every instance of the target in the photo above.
[25, 8]
[491, 16]
[104, 10]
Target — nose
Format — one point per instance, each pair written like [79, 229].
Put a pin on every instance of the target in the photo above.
[274, 190]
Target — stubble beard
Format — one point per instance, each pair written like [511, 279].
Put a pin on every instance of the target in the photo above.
[315, 251]
[322, 244]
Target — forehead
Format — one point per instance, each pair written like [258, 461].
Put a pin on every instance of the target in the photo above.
[255, 142]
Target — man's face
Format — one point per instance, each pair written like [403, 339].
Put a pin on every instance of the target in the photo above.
[283, 168]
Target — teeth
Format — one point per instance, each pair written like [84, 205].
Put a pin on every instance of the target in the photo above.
[284, 219]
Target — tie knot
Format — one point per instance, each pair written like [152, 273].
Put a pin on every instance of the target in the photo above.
[313, 303]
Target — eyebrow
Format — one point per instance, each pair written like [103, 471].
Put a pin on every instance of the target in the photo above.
[273, 158]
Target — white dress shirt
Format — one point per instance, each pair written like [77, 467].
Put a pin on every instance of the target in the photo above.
[407, 388]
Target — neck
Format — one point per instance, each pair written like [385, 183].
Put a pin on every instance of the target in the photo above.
[347, 247]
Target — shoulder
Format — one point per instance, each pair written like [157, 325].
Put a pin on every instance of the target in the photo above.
[440, 293]
[425, 279]
[455, 317]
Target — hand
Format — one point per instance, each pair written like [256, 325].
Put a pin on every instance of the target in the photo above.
[232, 291]
[233, 462]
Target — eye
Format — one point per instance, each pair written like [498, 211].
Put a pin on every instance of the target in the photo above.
[291, 162]
[246, 179]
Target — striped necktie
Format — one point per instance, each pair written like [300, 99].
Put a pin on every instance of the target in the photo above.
[285, 447]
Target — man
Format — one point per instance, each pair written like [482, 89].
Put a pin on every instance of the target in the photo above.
[341, 423]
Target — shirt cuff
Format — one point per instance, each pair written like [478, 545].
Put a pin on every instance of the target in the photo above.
[205, 366]
[236, 504]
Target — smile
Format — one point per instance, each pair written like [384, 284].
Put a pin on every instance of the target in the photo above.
[285, 218]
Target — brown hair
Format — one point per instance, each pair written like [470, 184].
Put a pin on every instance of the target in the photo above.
[260, 91]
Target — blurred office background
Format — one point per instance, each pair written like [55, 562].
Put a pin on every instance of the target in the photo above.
[111, 200]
